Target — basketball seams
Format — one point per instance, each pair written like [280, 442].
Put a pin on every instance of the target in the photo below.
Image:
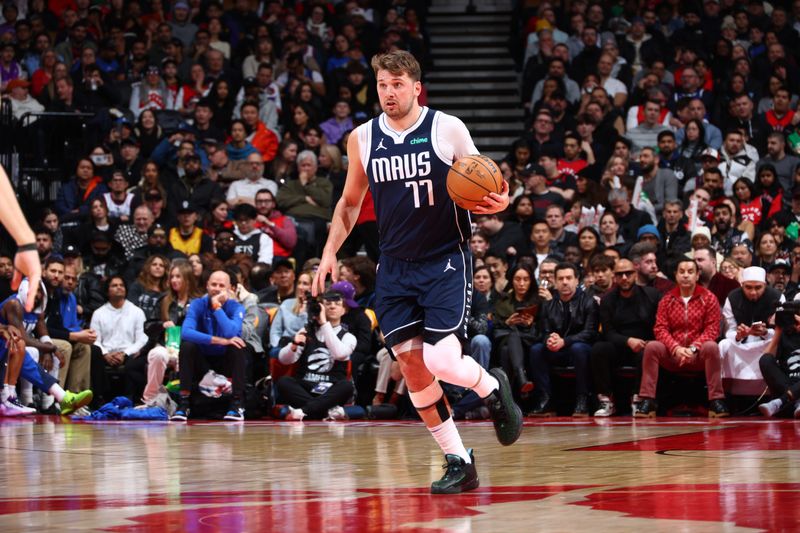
[470, 179]
[482, 160]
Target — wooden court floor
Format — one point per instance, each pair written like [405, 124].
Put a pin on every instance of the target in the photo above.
[670, 475]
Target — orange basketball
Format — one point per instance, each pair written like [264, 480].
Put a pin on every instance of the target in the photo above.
[471, 178]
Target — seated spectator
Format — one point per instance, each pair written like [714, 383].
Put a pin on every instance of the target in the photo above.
[211, 337]
[193, 185]
[250, 240]
[684, 344]
[320, 383]
[98, 222]
[44, 243]
[672, 230]
[119, 325]
[784, 164]
[186, 237]
[259, 135]
[278, 226]
[746, 312]
[341, 121]
[629, 218]
[779, 366]
[560, 237]
[244, 190]
[308, 200]
[643, 256]
[21, 100]
[131, 237]
[216, 219]
[61, 319]
[725, 235]
[719, 285]
[157, 244]
[238, 147]
[504, 236]
[292, 314]
[601, 269]
[102, 258]
[75, 196]
[660, 184]
[149, 287]
[627, 317]
[514, 318]
[567, 341]
[645, 133]
[736, 162]
[119, 201]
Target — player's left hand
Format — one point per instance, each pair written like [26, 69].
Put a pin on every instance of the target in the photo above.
[493, 202]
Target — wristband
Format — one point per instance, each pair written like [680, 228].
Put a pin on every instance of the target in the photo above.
[46, 339]
[30, 247]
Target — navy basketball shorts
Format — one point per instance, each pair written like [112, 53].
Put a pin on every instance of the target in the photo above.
[430, 298]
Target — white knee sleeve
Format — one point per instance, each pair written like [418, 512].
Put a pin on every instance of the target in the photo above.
[445, 361]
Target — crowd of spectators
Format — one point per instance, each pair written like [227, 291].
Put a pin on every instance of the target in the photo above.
[653, 223]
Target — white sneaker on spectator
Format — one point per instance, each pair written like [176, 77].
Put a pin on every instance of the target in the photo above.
[83, 411]
[12, 407]
[295, 414]
[606, 406]
[336, 413]
[770, 408]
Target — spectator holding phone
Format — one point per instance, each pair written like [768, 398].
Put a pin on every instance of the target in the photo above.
[514, 325]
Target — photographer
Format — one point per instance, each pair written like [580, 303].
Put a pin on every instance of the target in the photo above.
[322, 350]
[780, 364]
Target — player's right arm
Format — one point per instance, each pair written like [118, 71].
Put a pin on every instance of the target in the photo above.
[344, 215]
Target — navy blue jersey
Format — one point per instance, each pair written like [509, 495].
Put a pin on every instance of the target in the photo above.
[407, 172]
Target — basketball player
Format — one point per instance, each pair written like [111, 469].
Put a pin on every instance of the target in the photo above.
[26, 262]
[424, 277]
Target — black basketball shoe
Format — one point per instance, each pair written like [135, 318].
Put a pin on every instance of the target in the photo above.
[505, 413]
[459, 476]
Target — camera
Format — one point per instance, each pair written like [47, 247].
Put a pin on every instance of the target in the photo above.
[784, 314]
[312, 309]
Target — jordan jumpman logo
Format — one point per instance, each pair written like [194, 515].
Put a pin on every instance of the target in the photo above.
[449, 267]
[380, 146]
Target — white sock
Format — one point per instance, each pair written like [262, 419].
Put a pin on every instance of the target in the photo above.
[486, 385]
[445, 361]
[5, 393]
[57, 391]
[448, 439]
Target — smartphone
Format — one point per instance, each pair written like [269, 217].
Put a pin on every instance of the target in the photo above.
[757, 324]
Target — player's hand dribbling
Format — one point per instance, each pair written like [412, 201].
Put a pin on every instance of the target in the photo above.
[493, 202]
[328, 265]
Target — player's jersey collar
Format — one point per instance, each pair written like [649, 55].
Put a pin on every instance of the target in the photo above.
[399, 137]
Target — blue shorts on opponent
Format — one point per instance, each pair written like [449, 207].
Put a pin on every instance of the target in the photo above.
[430, 298]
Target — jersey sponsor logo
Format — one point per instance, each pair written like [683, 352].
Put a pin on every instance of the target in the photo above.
[419, 140]
[400, 167]
[380, 145]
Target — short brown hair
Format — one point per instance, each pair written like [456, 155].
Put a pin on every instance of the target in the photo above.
[398, 62]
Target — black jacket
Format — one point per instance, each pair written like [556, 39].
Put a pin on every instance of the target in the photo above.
[583, 321]
[622, 318]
